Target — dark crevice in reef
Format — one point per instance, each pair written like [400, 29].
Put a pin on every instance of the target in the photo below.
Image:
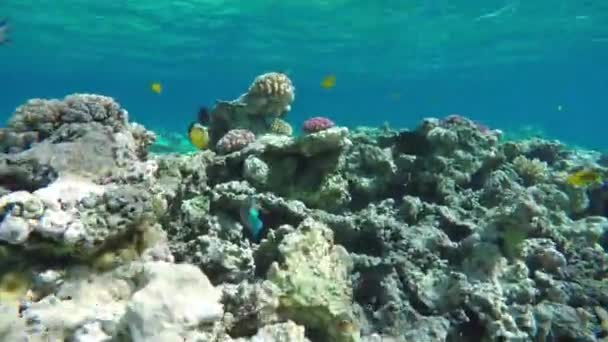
[396, 191]
[224, 171]
[268, 252]
[366, 242]
[17, 178]
[427, 192]
[471, 329]
[360, 200]
[478, 179]
[316, 334]
[413, 143]
[548, 153]
[411, 289]
[456, 232]
[598, 205]
[274, 219]
[368, 288]
[244, 330]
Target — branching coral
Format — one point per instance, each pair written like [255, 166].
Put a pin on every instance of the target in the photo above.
[531, 171]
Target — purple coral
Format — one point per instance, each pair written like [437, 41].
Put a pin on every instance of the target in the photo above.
[317, 124]
[456, 119]
[234, 140]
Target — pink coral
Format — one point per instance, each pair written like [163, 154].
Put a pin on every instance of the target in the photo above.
[317, 124]
[234, 140]
[456, 119]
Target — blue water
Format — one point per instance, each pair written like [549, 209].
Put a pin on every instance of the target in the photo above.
[563, 92]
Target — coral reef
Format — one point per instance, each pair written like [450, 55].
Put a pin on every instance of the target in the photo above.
[269, 97]
[444, 232]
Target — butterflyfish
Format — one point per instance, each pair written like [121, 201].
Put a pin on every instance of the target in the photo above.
[198, 135]
[583, 178]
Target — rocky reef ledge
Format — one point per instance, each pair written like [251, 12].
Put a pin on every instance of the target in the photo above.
[440, 233]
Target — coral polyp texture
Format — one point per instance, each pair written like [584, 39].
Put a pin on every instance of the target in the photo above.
[234, 140]
[272, 92]
[442, 232]
[280, 127]
[317, 124]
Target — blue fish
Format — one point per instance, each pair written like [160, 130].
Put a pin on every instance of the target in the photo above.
[250, 218]
[4, 32]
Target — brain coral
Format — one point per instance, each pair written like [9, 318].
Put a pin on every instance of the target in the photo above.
[273, 92]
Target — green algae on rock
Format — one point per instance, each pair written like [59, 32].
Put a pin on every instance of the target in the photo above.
[314, 281]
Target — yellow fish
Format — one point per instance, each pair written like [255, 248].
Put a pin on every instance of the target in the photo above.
[395, 96]
[198, 135]
[328, 81]
[583, 178]
[156, 87]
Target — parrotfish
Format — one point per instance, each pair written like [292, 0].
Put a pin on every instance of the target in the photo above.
[250, 218]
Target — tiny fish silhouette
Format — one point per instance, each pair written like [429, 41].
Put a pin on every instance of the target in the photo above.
[4, 38]
[203, 116]
[328, 82]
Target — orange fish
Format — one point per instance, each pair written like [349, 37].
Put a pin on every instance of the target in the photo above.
[328, 82]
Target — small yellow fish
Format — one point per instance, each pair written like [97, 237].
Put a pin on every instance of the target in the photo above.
[328, 81]
[198, 135]
[156, 87]
[584, 178]
[395, 96]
